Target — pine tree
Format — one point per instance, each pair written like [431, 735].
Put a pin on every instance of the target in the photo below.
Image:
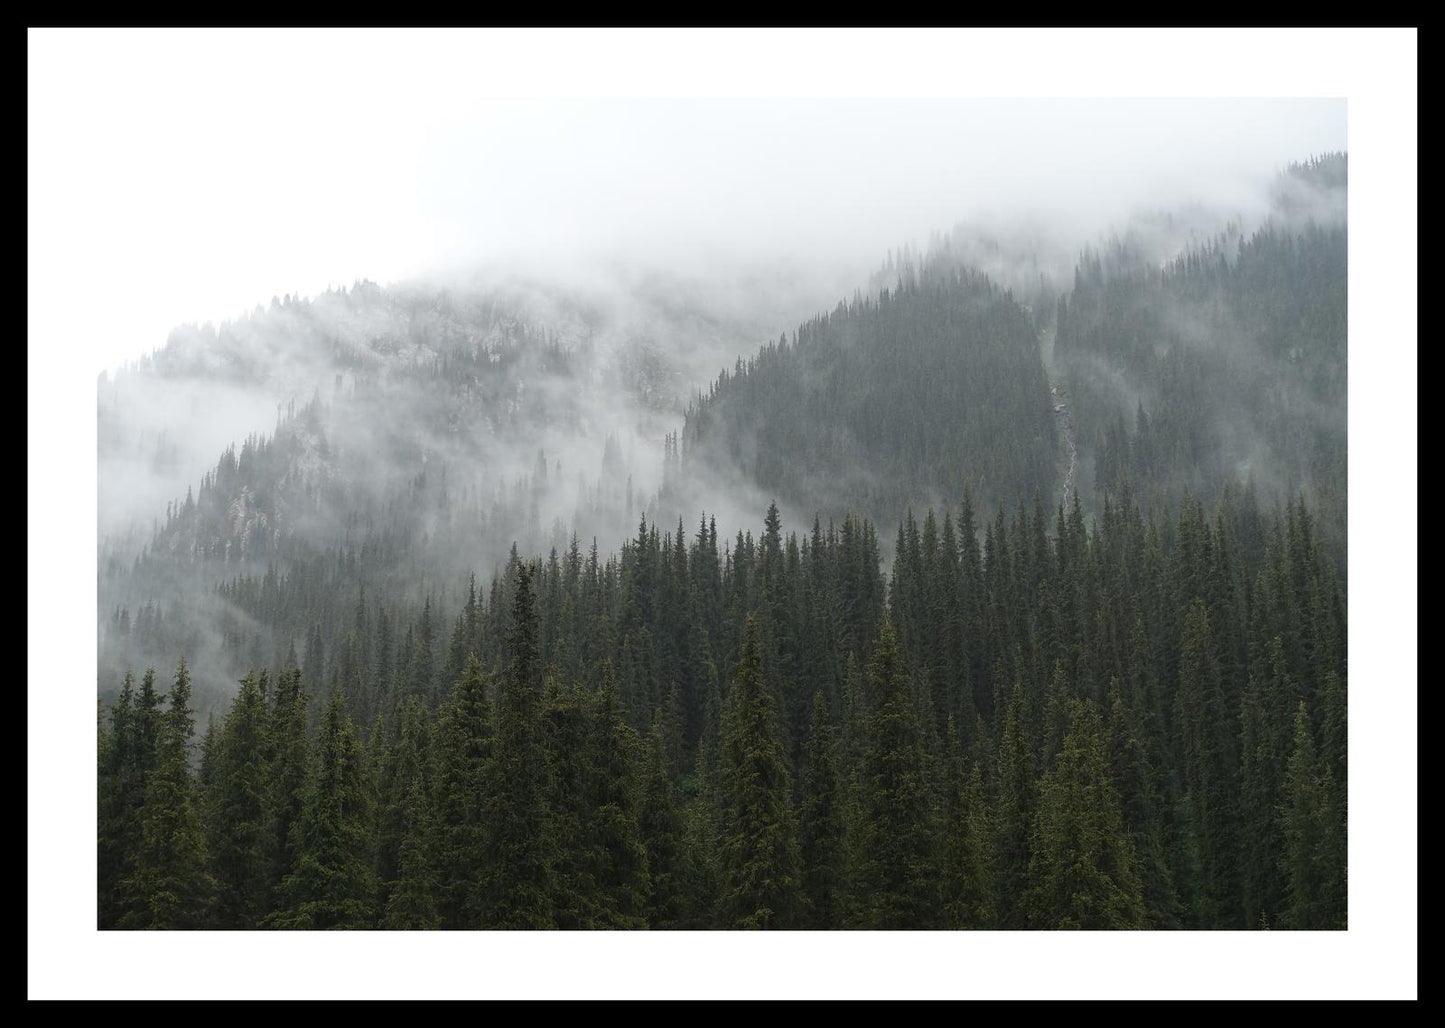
[894, 880]
[1264, 751]
[1013, 816]
[413, 902]
[464, 739]
[332, 885]
[822, 826]
[289, 762]
[170, 885]
[662, 827]
[1313, 862]
[968, 889]
[614, 834]
[759, 849]
[240, 838]
[1082, 864]
[514, 888]
[700, 876]
[412, 897]
[402, 781]
[121, 791]
[1142, 808]
[1209, 770]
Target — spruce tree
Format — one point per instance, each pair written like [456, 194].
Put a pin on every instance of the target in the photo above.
[1264, 751]
[1209, 769]
[464, 743]
[759, 848]
[289, 761]
[241, 840]
[895, 876]
[700, 874]
[1142, 809]
[514, 886]
[968, 890]
[414, 899]
[662, 828]
[403, 787]
[822, 825]
[1313, 862]
[1082, 863]
[170, 884]
[614, 836]
[332, 885]
[1013, 816]
[121, 790]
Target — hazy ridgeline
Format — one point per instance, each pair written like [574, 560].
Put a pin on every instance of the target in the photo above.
[944, 708]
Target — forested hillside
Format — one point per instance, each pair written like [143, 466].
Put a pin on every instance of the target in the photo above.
[1060, 727]
[1226, 363]
[885, 403]
[841, 656]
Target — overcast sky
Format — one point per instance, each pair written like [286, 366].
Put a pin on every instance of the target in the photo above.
[186, 176]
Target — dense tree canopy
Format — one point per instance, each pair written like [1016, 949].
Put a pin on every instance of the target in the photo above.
[950, 698]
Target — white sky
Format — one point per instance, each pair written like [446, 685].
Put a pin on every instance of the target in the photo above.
[187, 175]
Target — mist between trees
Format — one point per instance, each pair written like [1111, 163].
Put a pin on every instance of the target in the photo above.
[498, 670]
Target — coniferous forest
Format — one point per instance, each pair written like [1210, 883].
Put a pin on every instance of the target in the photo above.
[983, 601]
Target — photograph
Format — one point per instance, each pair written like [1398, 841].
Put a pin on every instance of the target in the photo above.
[700, 510]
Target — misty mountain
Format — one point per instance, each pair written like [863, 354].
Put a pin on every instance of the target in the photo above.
[1226, 363]
[936, 385]
[511, 654]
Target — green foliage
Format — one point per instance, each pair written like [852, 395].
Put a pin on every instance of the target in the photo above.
[332, 885]
[663, 832]
[1082, 861]
[1313, 861]
[120, 792]
[514, 886]
[406, 843]
[170, 883]
[1208, 768]
[894, 880]
[1013, 816]
[464, 742]
[758, 840]
[1217, 380]
[822, 826]
[968, 888]
[238, 810]
[600, 875]
[888, 401]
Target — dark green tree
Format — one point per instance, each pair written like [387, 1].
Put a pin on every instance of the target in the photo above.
[1314, 839]
[514, 883]
[663, 832]
[289, 761]
[464, 744]
[332, 885]
[895, 876]
[1209, 768]
[170, 884]
[759, 847]
[822, 826]
[1082, 864]
[968, 889]
[1013, 816]
[239, 812]
[121, 791]
[414, 900]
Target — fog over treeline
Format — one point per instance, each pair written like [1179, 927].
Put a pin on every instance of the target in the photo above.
[727, 514]
[482, 410]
